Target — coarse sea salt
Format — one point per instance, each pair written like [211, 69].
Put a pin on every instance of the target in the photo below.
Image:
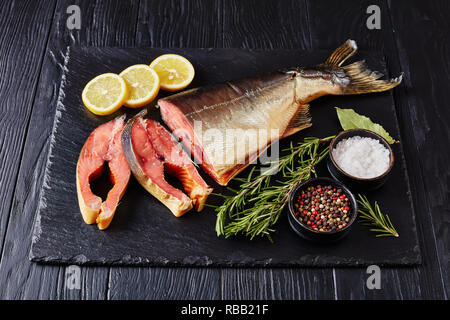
[362, 157]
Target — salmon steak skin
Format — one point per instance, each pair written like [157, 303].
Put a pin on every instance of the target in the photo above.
[151, 150]
[225, 127]
[102, 146]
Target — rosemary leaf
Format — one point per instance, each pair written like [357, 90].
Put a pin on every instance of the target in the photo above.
[373, 217]
[255, 208]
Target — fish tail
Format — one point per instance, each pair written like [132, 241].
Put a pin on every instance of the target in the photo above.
[358, 77]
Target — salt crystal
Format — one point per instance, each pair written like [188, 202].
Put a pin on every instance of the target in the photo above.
[362, 157]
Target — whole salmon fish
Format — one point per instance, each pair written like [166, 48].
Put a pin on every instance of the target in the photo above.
[227, 126]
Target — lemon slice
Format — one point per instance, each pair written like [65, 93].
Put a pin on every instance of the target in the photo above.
[143, 83]
[175, 72]
[105, 94]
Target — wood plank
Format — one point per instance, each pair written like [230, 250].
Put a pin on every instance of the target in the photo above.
[93, 284]
[395, 284]
[267, 25]
[277, 284]
[21, 56]
[331, 24]
[168, 24]
[180, 24]
[164, 283]
[19, 278]
[20, 64]
[423, 50]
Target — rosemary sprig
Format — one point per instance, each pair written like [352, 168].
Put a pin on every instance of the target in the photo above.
[254, 209]
[373, 217]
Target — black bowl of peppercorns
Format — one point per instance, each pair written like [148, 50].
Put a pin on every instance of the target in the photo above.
[322, 210]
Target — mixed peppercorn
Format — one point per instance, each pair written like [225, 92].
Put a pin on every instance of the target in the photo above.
[323, 208]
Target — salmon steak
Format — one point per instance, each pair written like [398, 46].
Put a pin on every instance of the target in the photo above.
[151, 150]
[225, 127]
[102, 146]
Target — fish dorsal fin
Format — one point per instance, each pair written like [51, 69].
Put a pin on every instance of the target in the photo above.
[341, 54]
[301, 121]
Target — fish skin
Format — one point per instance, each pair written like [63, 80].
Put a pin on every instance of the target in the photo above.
[103, 145]
[150, 150]
[273, 102]
[233, 106]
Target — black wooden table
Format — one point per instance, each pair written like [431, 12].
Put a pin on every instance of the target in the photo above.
[414, 37]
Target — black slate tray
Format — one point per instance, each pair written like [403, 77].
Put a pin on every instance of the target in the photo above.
[144, 232]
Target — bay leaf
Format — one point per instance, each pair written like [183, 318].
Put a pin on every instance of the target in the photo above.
[350, 119]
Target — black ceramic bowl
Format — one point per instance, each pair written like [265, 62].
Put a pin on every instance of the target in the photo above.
[321, 236]
[353, 182]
